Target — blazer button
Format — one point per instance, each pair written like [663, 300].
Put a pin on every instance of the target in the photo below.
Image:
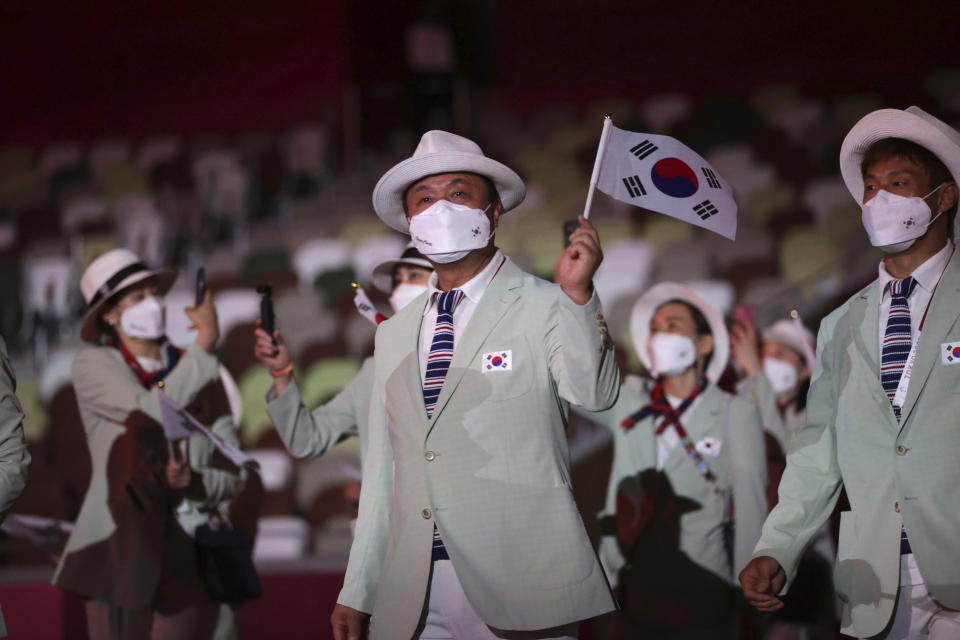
[896, 506]
[901, 450]
[430, 455]
[426, 513]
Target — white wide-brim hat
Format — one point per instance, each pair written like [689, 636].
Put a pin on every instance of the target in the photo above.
[442, 152]
[382, 276]
[794, 335]
[109, 274]
[913, 124]
[646, 307]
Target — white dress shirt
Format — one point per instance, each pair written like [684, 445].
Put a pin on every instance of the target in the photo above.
[927, 276]
[472, 290]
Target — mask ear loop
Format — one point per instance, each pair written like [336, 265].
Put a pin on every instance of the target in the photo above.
[924, 198]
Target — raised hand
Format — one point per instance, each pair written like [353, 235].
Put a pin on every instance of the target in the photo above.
[578, 263]
[204, 320]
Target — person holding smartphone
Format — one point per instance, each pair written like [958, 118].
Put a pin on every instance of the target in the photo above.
[308, 433]
[130, 555]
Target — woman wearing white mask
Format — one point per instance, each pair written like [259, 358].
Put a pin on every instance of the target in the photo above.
[131, 555]
[309, 434]
[690, 439]
[776, 374]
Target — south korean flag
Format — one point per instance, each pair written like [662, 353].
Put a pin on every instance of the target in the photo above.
[662, 174]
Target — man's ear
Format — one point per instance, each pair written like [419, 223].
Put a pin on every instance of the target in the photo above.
[497, 210]
[948, 197]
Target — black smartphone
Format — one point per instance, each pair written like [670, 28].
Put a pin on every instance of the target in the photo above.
[266, 308]
[569, 227]
[201, 285]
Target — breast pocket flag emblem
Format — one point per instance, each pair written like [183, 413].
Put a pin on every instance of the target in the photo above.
[662, 174]
[950, 353]
[497, 361]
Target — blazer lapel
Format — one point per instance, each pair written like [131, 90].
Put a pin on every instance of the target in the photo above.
[706, 412]
[497, 299]
[941, 317]
[867, 338]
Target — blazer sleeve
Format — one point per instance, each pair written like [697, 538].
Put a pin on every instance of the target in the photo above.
[105, 388]
[307, 434]
[217, 478]
[811, 482]
[580, 355]
[633, 386]
[749, 479]
[14, 457]
[759, 391]
[376, 496]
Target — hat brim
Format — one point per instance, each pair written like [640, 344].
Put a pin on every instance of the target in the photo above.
[382, 276]
[647, 305]
[388, 194]
[165, 279]
[941, 140]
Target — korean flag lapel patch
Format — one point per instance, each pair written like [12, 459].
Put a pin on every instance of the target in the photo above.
[497, 361]
[950, 353]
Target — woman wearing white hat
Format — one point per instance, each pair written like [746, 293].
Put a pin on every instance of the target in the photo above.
[776, 374]
[308, 434]
[131, 555]
[707, 447]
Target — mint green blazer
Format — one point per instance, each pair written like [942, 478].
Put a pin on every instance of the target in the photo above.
[905, 473]
[491, 468]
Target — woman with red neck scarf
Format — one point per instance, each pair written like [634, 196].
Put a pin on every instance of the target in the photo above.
[131, 554]
[685, 501]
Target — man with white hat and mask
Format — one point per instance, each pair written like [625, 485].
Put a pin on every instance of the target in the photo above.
[308, 434]
[467, 526]
[706, 447]
[883, 402]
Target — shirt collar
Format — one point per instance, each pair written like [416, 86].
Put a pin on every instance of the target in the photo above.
[927, 274]
[474, 287]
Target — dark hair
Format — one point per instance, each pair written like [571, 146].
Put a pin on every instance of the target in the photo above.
[491, 189]
[936, 171]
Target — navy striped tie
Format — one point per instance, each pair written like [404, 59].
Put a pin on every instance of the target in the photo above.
[898, 339]
[438, 363]
[441, 349]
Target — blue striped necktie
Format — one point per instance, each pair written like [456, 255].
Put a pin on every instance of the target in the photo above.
[441, 349]
[898, 339]
[438, 363]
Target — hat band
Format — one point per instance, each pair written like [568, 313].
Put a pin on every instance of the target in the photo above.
[107, 287]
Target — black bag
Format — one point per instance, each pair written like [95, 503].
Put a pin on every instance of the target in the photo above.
[225, 563]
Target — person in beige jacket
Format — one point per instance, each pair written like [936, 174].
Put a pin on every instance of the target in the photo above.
[467, 525]
[128, 554]
[883, 403]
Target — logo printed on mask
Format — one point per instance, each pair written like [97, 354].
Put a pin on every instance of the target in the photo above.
[446, 232]
[894, 222]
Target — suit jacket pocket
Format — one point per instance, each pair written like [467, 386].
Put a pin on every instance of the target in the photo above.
[512, 382]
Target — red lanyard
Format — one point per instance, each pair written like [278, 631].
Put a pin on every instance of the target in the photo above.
[149, 379]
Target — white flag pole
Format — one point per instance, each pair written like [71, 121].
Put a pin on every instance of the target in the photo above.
[607, 121]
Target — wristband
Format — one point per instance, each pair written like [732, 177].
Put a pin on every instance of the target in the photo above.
[283, 372]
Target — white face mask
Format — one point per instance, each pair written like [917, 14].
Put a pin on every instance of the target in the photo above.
[671, 353]
[895, 222]
[446, 232]
[144, 320]
[783, 376]
[404, 293]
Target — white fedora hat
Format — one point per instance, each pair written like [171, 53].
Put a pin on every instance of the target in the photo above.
[442, 152]
[646, 307]
[913, 124]
[794, 335]
[109, 274]
[382, 277]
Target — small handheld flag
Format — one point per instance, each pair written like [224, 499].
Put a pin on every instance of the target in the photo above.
[178, 423]
[662, 174]
[365, 307]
